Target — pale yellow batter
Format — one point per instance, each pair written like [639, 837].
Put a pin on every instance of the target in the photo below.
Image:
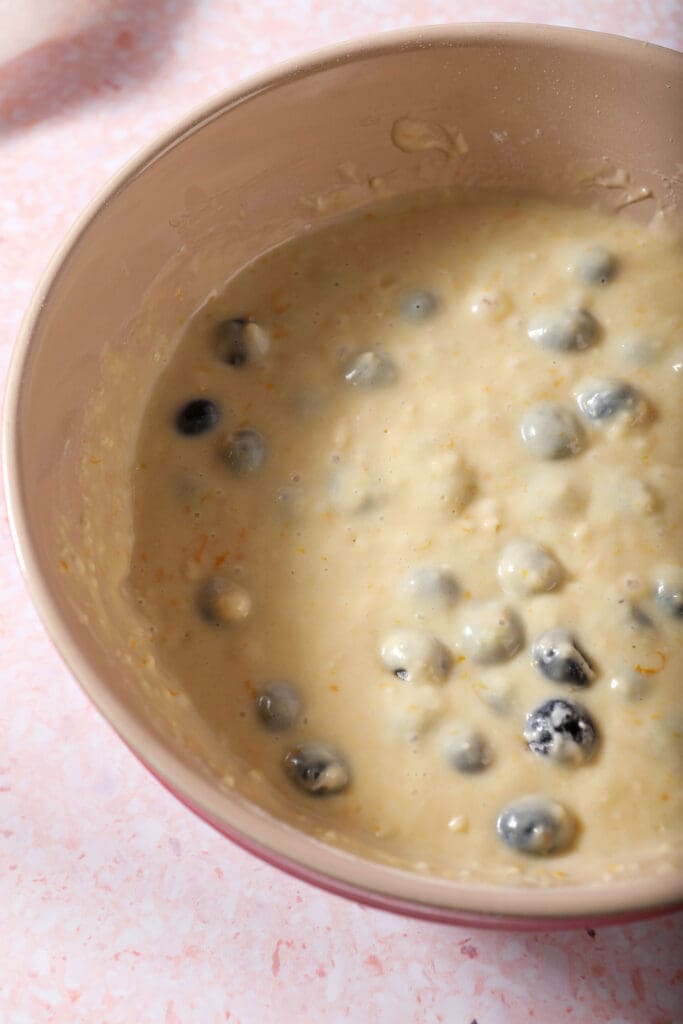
[406, 480]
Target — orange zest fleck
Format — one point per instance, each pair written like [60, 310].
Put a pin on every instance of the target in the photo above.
[198, 554]
[334, 687]
[219, 559]
[644, 671]
[64, 566]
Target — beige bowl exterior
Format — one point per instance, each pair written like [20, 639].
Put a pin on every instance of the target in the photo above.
[539, 109]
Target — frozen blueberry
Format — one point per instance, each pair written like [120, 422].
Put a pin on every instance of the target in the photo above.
[317, 768]
[561, 730]
[536, 825]
[222, 601]
[197, 417]
[466, 750]
[559, 658]
[550, 431]
[563, 330]
[238, 341]
[245, 452]
[491, 632]
[526, 568]
[431, 588]
[370, 370]
[602, 398]
[278, 705]
[415, 657]
[419, 305]
[230, 343]
[596, 265]
[669, 590]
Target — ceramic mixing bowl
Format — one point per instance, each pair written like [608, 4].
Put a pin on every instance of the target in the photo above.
[553, 111]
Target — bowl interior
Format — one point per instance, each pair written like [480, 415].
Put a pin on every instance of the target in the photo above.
[523, 108]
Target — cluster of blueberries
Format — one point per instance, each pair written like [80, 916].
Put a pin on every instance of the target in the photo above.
[245, 449]
[551, 430]
[559, 728]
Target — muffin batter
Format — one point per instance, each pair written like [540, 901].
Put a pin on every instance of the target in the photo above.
[408, 533]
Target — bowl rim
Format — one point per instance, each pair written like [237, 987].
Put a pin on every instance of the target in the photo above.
[367, 881]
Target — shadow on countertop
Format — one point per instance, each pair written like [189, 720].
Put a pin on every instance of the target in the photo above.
[124, 45]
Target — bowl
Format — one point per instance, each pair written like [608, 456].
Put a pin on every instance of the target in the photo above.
[520, 107]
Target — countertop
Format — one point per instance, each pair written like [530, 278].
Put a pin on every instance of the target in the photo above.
[118, 906]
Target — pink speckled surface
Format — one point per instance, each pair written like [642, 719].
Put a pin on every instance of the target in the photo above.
[118, 906]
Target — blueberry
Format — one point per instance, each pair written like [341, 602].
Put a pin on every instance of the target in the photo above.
[197, 417]
[491, 632]
[550, 431]
[431, 587]
[602, 398]
[415, 657]
[669, 590]
[370, 370]
[278, 706]
[221, 601]
[419, 305]
[230, 343]
[561, 730]
[536, 825]
[559, 658]
[466, 750]
[317, 768]
[239, 341]
[563, 330]
[596, 266]
[526, 568]
[245, 452]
